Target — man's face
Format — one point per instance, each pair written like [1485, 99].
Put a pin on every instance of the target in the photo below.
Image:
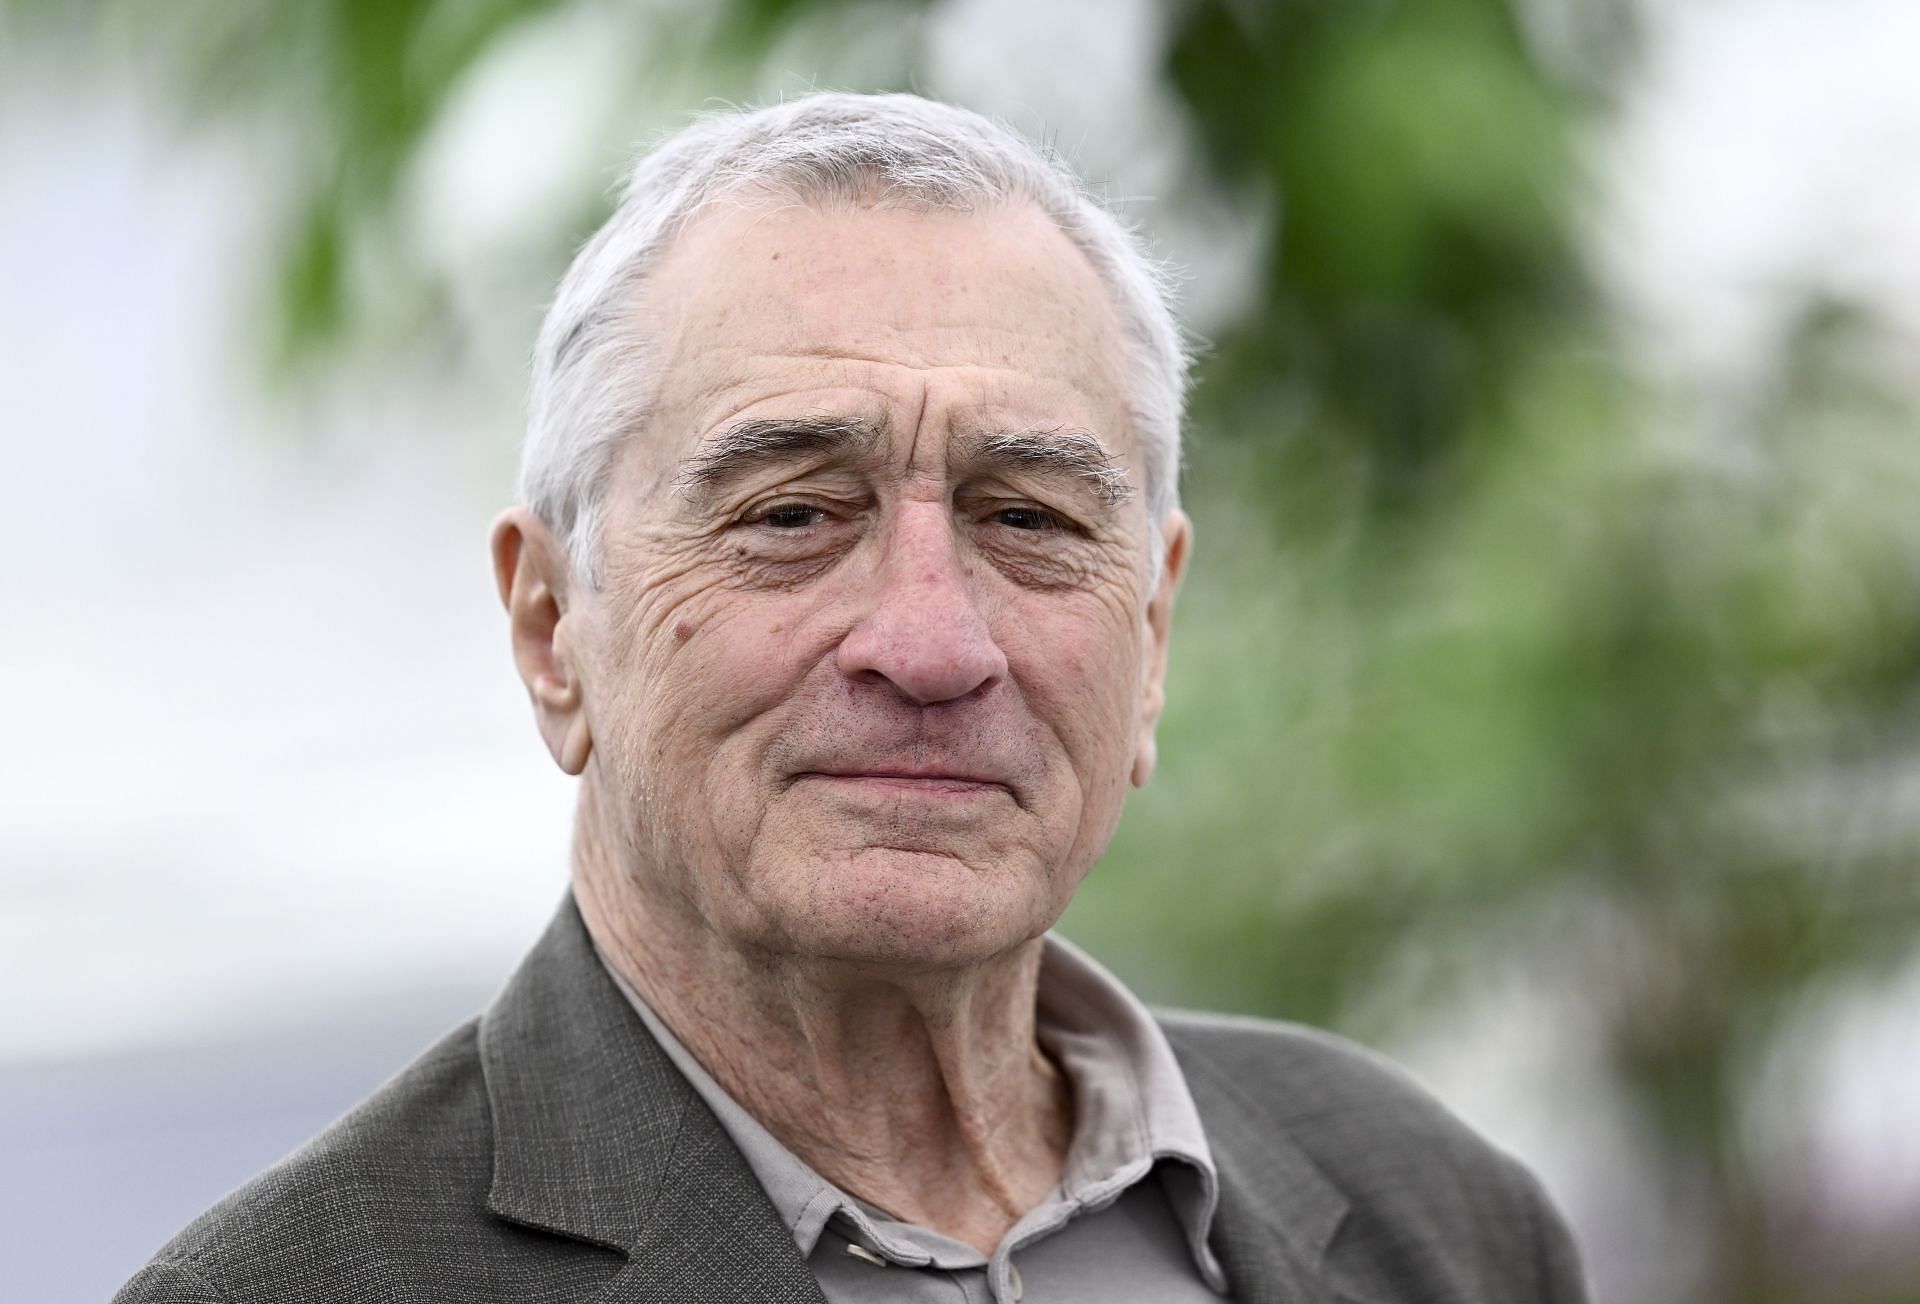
[876, 648]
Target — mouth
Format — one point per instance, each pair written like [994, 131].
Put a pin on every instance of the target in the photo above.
[925, 783]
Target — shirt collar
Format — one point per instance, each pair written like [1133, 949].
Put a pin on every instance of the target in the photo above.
[1132, 1109]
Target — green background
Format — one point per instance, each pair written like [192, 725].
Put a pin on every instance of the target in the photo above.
[1516, 686]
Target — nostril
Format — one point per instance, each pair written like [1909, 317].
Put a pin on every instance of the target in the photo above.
[927, 656]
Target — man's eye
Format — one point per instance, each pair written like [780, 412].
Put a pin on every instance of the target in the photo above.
[1028, 518]
[790, 516]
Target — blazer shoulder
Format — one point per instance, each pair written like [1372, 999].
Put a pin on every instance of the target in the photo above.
[1292, 1072]
[166, 1282]
[410, 1164]
[1430, 1199]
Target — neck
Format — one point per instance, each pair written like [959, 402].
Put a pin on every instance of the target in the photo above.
[924, 1093]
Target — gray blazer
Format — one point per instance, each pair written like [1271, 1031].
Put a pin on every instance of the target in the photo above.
[550, 1152]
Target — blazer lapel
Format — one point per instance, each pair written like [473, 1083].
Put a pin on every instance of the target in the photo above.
[1278, 1212]
[598, 1137]
[717, 1239]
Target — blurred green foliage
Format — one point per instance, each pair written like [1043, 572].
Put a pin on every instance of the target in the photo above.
[1499, 664]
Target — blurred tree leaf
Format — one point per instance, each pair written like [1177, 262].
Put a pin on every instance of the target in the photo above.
[1493, 650]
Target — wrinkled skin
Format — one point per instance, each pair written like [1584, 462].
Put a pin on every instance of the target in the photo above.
[855, 719]
[895, 611]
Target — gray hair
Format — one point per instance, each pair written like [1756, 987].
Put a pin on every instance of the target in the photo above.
[897, 151]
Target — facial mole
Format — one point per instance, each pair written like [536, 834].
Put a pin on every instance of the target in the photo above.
[682, 630]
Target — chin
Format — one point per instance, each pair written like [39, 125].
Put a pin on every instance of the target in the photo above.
[910, 910]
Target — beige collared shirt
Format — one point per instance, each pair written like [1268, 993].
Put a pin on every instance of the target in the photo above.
[1127, 1222]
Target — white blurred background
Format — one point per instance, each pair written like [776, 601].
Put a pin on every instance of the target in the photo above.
[273, 814]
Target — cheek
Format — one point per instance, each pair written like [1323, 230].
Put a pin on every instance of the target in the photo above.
[1078, 667]
[688, 661]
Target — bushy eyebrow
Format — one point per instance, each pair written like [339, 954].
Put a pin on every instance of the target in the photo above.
[1057, 450]
[752, 445]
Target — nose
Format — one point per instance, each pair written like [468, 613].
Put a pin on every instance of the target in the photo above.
[921, 628]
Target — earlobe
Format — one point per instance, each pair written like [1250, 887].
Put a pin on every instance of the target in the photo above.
[1176, 534]
[1145, 751]
[576, 746]
[1144, 758]
[530, 571]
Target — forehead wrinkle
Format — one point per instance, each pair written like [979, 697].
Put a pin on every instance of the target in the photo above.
[1064, 451]
[742, 447]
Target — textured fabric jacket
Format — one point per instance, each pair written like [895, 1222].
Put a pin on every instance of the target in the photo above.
[550, 1152]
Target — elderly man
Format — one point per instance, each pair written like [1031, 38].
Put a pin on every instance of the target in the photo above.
[844, 582]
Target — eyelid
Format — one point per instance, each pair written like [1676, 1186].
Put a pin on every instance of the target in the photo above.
[991, 504]
[1053, 524]
[757, 511]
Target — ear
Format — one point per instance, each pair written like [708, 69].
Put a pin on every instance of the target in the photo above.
[531, 571]
[1176, 538]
